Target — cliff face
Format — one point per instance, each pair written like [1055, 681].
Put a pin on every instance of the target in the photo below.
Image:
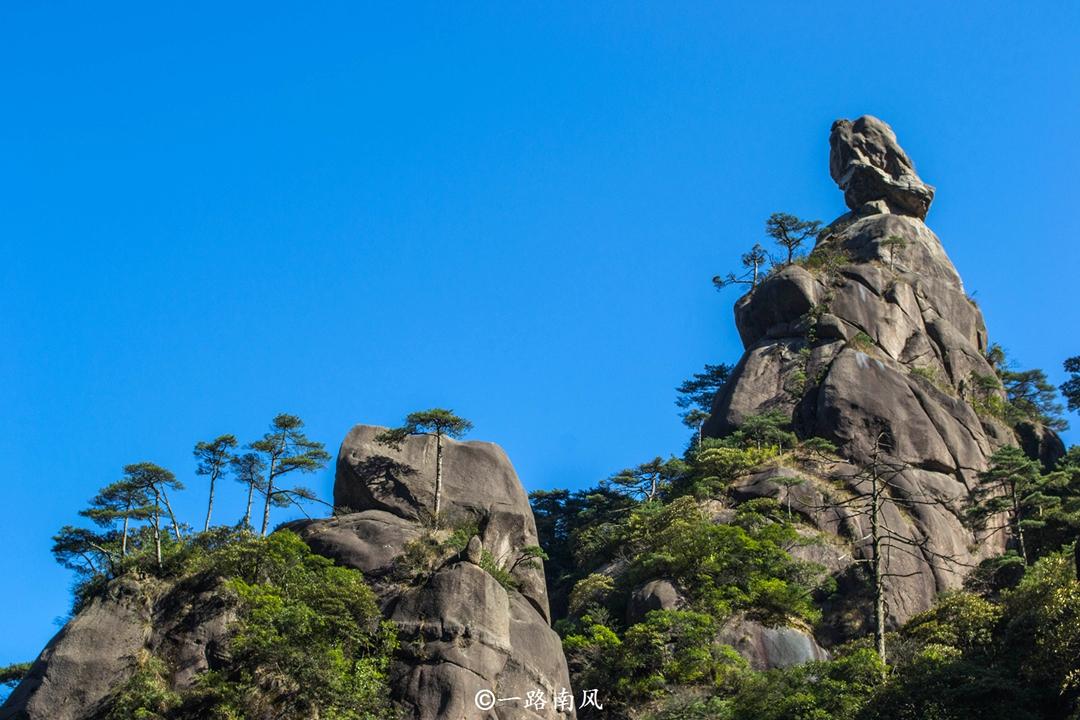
[462, 631]
[97, 651]
[873, 337]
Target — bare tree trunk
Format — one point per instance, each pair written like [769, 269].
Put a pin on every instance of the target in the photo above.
[124, 535]
[210, 503]
[879, 584]
[266, 505]
[270, 482]
[157, 525]
[172, 515]
[251, 497]
[438, 476]
[1017, 519]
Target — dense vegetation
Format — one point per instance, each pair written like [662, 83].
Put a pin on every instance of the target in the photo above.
[1004, 647]
[307, 638]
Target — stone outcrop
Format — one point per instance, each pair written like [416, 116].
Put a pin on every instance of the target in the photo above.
[653, 595]
[462, 631]
[874, 171]
[767, 648]
[477, 620]
[872, 336]
[99, 649]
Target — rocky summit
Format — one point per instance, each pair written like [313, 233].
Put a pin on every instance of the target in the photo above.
[874, 171]
[462, 631]
[873, 337]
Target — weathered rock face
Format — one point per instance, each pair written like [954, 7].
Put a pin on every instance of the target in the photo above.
[767, 648]
[461, 630]
[653, 595]
[873, 336]
[871, 167]
[98, 650]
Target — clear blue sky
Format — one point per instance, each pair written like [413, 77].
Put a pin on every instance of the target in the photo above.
[209, 216]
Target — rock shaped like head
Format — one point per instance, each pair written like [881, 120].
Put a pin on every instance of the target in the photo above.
[874, 172]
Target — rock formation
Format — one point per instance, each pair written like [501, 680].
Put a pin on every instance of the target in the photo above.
[472, 619]
[461, 630]
[99, 649]
[873, 170]
[873, 336]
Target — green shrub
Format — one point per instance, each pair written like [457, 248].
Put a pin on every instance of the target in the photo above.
[309, 641]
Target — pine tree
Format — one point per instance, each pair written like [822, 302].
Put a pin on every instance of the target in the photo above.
[214, 459]
[286, 449]
[1013, 486]
[248, 470]
[1071, 387]
[753, 261]
[646, 481]
[155, 481]
[438, 422]
[790, 232]
[122, 501]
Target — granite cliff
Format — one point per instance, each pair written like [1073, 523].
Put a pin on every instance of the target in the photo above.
[872, 343]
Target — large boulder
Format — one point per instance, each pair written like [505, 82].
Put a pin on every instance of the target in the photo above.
[768, 648]
[462, 630]
[870, 167]
[653, 595]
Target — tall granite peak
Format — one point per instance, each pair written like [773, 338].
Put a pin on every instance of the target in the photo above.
[873, 335]
[873, 170]
[462, 631]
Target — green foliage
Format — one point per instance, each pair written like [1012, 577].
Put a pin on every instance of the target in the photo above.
[436, 421]
[753, 262]
[590, 591]
[717, 463]
[1043, 622]
[698, 392]
[863, 342]
[1070, 389]
[933, 377]
[11, 675]
[826, 260]
[1007, 659]
[940, 683]
[769, 429]
[309, 640]
[1013, 486]
[497, 571]
[146, 695]
[717, 466]
[789, 232]
[433, 548]
[986, 395]
[1028, 394]
[960, 620]
[647, 481]
[670, 648]
[724, 568]
[673, 647]
[286, 449]
[214, 458]
[835, 690]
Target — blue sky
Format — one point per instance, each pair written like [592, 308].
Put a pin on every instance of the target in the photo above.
[513, 210]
